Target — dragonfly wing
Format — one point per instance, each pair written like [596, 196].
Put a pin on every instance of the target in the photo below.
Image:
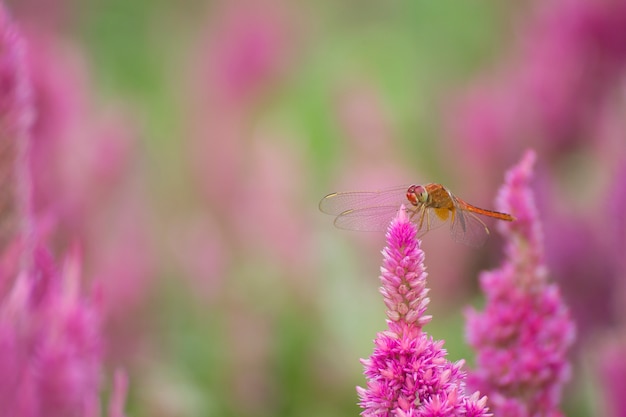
[430, 218]
[338, 203]
[369, 219]
[467, 228]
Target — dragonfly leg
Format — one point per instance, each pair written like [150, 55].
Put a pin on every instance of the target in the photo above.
[423, 216]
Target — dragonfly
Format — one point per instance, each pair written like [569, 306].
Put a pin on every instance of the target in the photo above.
[428, 206]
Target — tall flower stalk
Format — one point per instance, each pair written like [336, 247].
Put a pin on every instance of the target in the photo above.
[408, 373]
[523, 334]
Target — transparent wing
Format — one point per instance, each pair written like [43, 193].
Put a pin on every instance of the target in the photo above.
[369, 219]
[429, 218]
[339, 203]
[467, 228]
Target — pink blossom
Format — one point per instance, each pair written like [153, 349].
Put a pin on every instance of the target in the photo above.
[408, 373]
[525, 330]
[50, 338]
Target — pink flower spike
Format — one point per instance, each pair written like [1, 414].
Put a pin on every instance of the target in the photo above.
[408, 373]
[523, 335]
[51, 344]
[517, 198]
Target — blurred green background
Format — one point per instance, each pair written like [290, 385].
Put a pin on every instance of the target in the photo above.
[262, 307]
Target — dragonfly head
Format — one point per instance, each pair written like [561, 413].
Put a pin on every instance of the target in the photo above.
[416, 194]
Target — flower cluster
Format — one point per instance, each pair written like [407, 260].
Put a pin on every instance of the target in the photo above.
[408, 373]
[523, 335]
[554, 91]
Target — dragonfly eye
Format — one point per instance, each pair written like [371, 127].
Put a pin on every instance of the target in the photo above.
[416, 194]
[422, 194]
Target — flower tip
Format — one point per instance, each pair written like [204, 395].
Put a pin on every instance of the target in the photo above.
[401, 217]
[523, 170]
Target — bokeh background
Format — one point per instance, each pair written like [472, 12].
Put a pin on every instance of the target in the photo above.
[186, 146]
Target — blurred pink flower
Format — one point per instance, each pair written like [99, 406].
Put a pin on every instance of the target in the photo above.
[250, 43]
[408, 373]
[122, 261]
[523, 335]
[559, 91]
[245, 51]
[79, 158]
[574, 54]
[15, 100]
[552, 93]
[250, 176]
[610, 360]
[579, 256]
[277, 170]
[87, 187]
[15, 119]
[585, 239]
[61, 176]
[51, 347]
[50, 334]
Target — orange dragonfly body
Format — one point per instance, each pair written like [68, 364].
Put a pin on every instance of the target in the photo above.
[429, 206]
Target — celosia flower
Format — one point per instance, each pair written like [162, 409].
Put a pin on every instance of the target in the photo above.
[51, 347]
[523, 335]
[408, 373]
